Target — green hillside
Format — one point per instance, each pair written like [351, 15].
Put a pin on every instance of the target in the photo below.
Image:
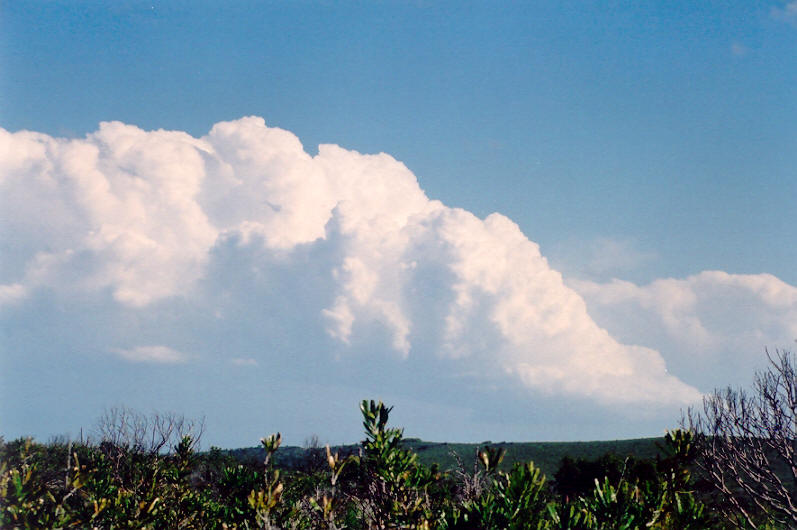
[546, 455]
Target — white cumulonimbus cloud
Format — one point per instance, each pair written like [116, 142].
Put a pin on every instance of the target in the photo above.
[142, 215]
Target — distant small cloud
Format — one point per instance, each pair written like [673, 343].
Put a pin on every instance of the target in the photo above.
[11, 293]
[152, 354]
[787, 13]
[609, 255]
[602, 258]
[739, 50]
[248, 361]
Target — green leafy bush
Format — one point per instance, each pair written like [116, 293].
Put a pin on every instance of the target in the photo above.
[383, 486]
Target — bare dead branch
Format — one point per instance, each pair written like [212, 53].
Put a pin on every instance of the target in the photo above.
[748, 443]
[159, 432]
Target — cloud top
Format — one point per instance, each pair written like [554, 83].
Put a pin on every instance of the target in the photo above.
[142, 216]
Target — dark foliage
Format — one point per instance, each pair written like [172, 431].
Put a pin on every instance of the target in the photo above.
[576, 477]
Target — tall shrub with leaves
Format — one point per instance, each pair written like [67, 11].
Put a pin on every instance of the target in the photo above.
[678, 506]
[395, 485]
[267, 499]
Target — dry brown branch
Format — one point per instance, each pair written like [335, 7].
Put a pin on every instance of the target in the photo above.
[471, 484]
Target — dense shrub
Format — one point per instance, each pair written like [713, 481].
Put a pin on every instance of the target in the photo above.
[383, 485]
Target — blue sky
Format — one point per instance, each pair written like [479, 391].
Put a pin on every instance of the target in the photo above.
[642, 158]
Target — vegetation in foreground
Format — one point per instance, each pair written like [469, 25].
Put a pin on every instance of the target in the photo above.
[145, 473]
[383, 485]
